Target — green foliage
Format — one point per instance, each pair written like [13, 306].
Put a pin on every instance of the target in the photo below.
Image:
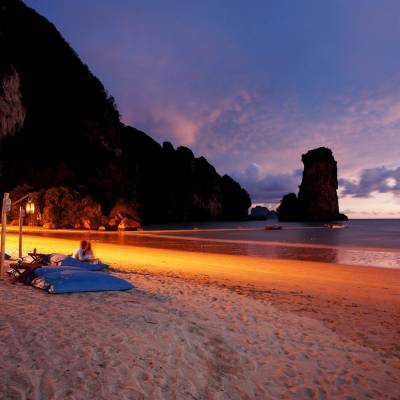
[61, 207]
[64, 208]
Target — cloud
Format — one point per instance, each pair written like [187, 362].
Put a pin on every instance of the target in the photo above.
[191, 122]
[392, 115]
[267, 188]
[166, 124]
[372, 180]
[249, 127]
[270, 188]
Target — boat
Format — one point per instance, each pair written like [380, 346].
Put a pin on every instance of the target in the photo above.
[273, 227]
[335, 226]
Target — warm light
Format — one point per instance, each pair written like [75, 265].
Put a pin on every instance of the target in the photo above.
[30, 207]
[391, 182]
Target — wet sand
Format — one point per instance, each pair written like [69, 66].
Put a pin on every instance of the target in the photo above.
[339, 323]
[237, 242]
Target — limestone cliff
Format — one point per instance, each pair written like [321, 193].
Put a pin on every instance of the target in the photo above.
[60, 128]
[12, 111]
[317, 199]
[289, 209]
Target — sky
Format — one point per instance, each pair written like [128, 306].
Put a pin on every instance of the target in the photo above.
[252, 85]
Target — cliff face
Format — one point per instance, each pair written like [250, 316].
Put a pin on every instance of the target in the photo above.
[317, 199]
[289, 209]
[317, 195]
[59, 127]
[12, 112]
[169, 184]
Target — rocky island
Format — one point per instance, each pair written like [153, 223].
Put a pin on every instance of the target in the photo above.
[317, 199]
[262, 213]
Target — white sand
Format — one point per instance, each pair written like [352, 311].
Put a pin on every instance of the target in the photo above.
[175, 339]
[191, 338]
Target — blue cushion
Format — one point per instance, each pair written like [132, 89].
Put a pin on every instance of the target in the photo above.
[7, 257]
[46, 270]
[73, 262]
[70, 281]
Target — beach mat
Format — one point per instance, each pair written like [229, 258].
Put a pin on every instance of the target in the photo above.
[77, 280]
[73, 262]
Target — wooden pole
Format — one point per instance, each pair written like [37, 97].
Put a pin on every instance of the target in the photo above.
[21, 218]
[4, 209]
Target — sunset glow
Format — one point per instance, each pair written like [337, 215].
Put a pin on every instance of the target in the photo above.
[253, 85]
[200, 199]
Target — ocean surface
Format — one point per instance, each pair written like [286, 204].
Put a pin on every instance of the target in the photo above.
[362, 242]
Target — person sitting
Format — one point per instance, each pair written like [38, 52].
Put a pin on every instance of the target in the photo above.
[79, 253]
[88, 255]
[85, 252]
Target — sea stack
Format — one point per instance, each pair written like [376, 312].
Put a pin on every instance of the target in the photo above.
[317, 199]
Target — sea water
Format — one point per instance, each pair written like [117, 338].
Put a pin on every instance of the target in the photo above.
[362, 242]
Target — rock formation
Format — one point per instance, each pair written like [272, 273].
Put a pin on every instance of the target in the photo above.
[259, 212]
[12, 112]
[289, 209]
[317, 199]
[59, 128]
[262, 213]
[124, 218]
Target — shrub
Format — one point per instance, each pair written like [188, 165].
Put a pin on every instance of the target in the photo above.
[61, 207]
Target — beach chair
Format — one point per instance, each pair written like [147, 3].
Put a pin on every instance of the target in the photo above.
[23, 271]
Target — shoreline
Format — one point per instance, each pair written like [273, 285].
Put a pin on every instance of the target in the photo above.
[164, 233]
[358, 256]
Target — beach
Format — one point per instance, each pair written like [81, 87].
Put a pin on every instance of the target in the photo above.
[200, 200]
[204, 326]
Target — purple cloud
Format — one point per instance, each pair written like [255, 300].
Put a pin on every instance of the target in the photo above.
[380, 180]
[268, 188]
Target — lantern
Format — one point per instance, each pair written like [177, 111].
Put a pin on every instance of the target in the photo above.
[30, 207]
